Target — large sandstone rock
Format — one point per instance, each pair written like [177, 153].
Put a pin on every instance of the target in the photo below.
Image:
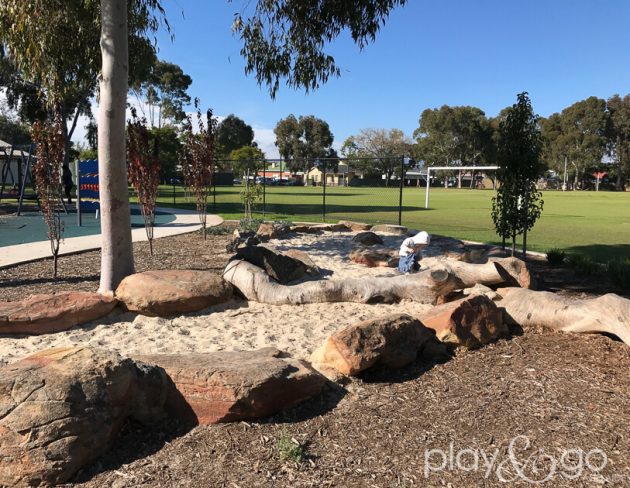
[232, 386]
[272, 230]
[61, 408]
[398, 230]
[375, 256]
[392, 341]
[280, 267]
[170, 292]
[311, 268]
[242, 238]
[355, 226]
[305, 229]
[367, 238]
[469, 322]
[332, 227]
[43, 314]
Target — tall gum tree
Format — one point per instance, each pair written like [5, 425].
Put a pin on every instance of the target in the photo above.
[281, 41]
[117, 250]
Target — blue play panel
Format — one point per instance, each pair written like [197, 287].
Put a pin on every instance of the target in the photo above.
[32, 228]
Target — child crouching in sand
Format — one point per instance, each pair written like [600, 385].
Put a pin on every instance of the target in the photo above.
[411, 252]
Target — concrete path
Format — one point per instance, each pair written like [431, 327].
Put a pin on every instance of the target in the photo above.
[185, 221]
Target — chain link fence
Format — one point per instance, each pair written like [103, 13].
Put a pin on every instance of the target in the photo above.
[324, 189]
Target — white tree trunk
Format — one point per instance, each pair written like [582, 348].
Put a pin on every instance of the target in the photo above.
[423, 287]
[117, 250]
[608, 313]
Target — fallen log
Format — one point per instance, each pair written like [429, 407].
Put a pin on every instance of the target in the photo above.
[496, 272]
[609, 313]
[423, 287]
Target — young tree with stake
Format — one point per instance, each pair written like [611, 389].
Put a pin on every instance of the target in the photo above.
[518, 203]
[143, 167]
[197, 160]
[50, 140]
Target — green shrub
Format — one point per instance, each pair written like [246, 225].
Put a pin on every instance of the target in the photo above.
[289, 449]
[282, 226]
[619, 272]
[246, 224]
[583, 265]
[556, 257]
[218, 230]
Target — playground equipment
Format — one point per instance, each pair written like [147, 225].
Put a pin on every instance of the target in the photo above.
[20, 158]
[88, 192]
[15, 171]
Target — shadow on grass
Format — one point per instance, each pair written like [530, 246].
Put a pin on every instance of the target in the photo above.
[601, 253]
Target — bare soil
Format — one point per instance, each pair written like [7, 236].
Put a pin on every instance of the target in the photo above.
[561, 391]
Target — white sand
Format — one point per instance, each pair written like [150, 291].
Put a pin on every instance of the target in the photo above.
[237, 325]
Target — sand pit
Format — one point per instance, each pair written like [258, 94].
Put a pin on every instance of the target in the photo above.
[237, 325]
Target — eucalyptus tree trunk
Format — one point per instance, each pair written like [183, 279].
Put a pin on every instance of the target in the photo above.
[117, 250]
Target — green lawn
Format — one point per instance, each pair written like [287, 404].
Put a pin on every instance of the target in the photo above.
[596, 224]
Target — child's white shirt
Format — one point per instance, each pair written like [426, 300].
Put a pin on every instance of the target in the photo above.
[405, 246]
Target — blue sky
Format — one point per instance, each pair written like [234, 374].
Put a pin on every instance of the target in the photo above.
[428, 54]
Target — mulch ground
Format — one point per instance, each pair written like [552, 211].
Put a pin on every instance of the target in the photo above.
[566, 394]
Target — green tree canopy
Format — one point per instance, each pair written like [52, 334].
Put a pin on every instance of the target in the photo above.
[287, 39]
[12, 130]
[579, 134]
[247, 158]
[619, 140]
[302, 141]
[518, 204]
[165, 92]
[167, 139]
[377, 152]
[233, 133]
[454, 136]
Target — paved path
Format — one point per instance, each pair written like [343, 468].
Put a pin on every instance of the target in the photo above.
[185, 221]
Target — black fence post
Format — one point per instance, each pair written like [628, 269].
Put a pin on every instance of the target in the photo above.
[264, 188]
[402, 183]
[324, 193]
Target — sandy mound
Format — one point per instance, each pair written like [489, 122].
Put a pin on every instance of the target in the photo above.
[237, 325]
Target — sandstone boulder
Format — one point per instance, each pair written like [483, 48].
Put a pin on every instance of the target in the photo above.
[242, 238]
[355, 226]
[469, 322]
[170, 292]
[231, 386]
[331, 227]
[311, 268]
[280, 267]
[271, 230]
[392, 341]
[375, 256]
[60, 409]
[398, 230]
[305, 229]
[266, 231]
[43, 314]
[367, 238]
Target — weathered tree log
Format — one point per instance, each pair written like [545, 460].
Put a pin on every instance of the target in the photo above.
[609, 313]
[497, 272]
[424, 287]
